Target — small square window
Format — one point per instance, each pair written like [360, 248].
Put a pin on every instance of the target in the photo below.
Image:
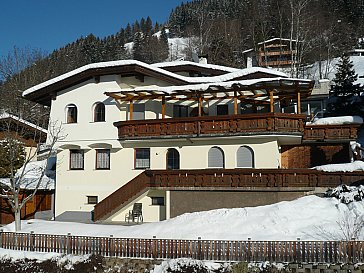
[92, 200]
[157, 201]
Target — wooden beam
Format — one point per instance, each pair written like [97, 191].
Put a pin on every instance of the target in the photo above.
[298, 102]
[271, 101]
[163, 107]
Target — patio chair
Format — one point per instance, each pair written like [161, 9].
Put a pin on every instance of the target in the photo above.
[135, 215]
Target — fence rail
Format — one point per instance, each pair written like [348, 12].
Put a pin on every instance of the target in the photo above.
[217, 250]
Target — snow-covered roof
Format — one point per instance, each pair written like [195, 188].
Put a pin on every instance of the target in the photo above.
[341, 120]
[224, 87]
[32, 173]
[182, 63]
[342, 167]
[275, 39]
[5, 115]
[187, 80]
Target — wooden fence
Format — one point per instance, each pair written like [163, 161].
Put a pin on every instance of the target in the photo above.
[217, 250]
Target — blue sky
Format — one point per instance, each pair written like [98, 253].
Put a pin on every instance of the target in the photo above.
[48, 24]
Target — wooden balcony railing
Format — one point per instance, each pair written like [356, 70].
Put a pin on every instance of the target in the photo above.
[221, 179]
[265, 123]
[331, 132]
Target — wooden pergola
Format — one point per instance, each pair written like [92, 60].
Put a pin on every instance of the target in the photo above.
[266, 90]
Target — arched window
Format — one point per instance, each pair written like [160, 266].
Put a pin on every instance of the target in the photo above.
[216, 158]
[71, 113]
[99, 112]
[245, 157]
[172, 159]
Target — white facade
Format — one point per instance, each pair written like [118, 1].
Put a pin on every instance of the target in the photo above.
[74, 187]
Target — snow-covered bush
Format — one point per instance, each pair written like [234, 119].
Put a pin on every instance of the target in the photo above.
[346, 194]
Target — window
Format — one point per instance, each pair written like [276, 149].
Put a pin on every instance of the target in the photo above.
[216, 158]
[76, 159]
[180, 111]
[142, 158]
[157, 201]
[103, 159]
[92, 200]
[71, 113]
[138, 112]
[222, 109]
[99, 112]
[172, 159]
[245, 157]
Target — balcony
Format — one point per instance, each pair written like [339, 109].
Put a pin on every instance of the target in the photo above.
[331, 133]
[232, 125]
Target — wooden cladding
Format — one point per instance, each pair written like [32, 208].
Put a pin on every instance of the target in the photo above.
[247, 124]
[216, 250]
[217, 179]
[331, 132]
[265, 123]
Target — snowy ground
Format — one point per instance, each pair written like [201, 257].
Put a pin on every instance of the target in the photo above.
[318, 219]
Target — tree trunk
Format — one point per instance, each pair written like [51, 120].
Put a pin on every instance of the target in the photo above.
[17, 215]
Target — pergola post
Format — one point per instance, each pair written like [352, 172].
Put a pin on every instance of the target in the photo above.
[235, 103]
[271, 101]
[163, 107]
[199, 106]
[131, 110]
[298, 102]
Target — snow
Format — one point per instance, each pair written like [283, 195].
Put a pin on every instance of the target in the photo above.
[343, 167]
[358, 62]
[220, 78]
[278, 221]
[31, 175]
[337, 120]
[5, 115]
[178, 264]
[210, 66]
[205, 86]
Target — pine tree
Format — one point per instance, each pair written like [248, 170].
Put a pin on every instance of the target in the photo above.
[345, 94]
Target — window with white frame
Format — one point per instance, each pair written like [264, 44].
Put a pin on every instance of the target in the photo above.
[102, 159]
[76, 159]
[142, 158]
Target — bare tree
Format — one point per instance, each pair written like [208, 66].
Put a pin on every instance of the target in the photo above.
[17, 181]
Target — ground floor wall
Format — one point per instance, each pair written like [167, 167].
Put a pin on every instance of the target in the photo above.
[193, 201]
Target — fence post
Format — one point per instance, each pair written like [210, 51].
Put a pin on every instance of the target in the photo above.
[249, 246]
[154, 247]
[299, 255]
[1, 237]
[199, 250]
[68, 248]
[111, 246]
[32, 241]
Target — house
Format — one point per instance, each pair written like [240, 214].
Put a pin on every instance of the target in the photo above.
[274, 53]
[41, 206]
[183, 137]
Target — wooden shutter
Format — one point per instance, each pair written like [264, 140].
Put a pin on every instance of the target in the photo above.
[216, 158]
[244, 157]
